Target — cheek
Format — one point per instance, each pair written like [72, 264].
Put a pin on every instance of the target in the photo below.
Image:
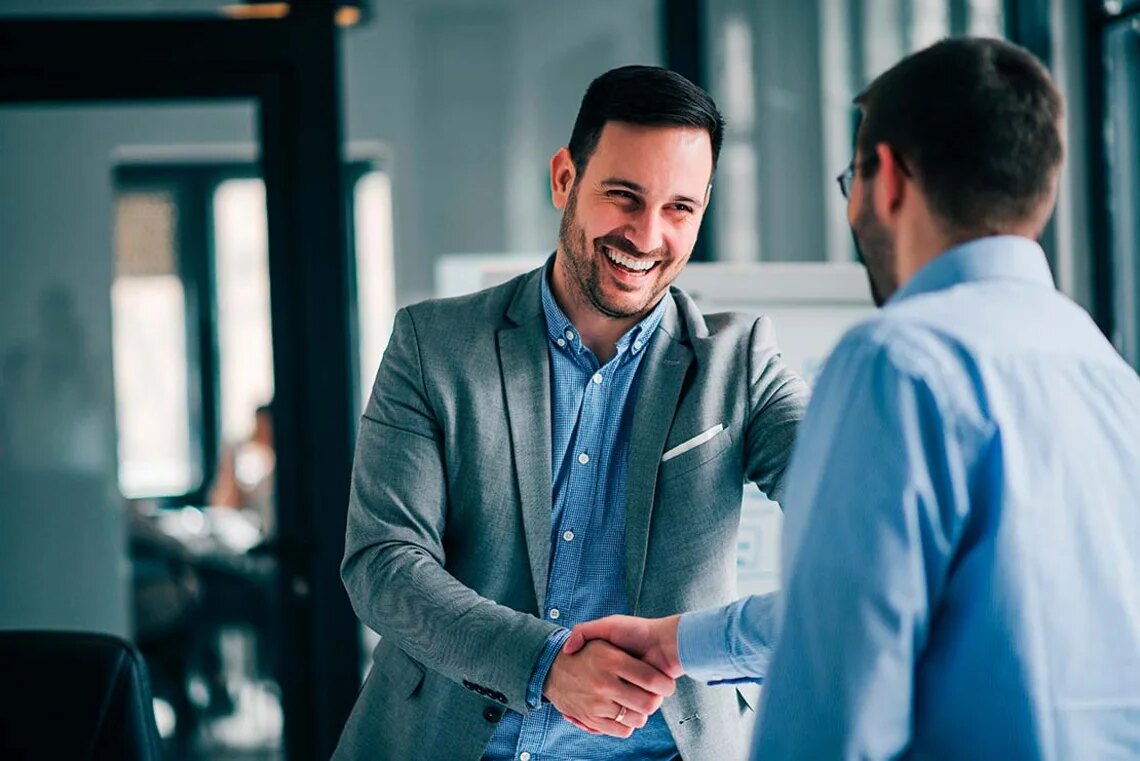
[608, 220]
[682, 238]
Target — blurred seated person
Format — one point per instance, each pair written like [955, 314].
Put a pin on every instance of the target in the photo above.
[245, 473]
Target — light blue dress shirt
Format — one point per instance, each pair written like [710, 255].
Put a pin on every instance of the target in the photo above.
[592, 410]
[961, 557]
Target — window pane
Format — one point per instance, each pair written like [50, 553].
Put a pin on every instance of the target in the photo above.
[785, 75]
[241, 262]
[156, 457]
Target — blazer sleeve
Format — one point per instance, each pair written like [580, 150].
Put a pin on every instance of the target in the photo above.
[777, 402]
[394, 558]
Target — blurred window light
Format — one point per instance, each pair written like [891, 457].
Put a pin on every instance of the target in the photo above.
[986, 18]
[785, 75]
[930, 23]
[241, 266]
[148, 304]
[375, 271]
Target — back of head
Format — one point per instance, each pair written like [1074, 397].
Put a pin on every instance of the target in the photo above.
[647, 96]
[978, 122]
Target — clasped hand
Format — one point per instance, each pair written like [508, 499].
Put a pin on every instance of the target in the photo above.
[614, 673]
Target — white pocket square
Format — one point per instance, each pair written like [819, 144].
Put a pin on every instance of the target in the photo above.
[692, 443]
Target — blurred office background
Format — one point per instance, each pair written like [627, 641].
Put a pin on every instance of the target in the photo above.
[183, 355]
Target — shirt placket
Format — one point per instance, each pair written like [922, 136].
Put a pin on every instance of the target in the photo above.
[578, 500]
[564, 569]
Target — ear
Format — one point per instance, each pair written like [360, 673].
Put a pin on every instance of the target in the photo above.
[562, 176]
[891, 183]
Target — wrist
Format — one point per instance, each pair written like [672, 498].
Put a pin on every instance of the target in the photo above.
[669, 648]
[540, 677]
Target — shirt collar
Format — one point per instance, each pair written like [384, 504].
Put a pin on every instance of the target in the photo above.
[562, 332]
[1000, 257]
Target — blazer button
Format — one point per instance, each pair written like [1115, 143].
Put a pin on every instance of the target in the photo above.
[492, 714]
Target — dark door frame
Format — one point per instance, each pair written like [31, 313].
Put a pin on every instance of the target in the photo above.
[288, 68]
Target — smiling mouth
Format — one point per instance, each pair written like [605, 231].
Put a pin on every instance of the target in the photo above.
[629, 263]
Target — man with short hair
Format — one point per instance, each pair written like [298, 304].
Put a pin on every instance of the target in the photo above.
[961, 558]
[566, 446]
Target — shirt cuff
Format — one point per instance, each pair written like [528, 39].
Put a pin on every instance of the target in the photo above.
[731, 644]
[701, 643]
[550, 651]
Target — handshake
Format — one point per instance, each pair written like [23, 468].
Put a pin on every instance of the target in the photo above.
[612, 674]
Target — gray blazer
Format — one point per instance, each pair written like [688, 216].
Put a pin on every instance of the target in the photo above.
[448, 542]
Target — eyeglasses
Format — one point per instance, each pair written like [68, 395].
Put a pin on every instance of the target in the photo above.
[847, 178]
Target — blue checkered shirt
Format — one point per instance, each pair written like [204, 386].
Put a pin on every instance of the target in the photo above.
[592, 415]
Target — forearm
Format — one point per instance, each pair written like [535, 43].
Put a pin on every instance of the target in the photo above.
[403, 594]
[729, 644]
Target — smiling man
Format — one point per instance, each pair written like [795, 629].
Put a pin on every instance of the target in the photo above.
[563, 447]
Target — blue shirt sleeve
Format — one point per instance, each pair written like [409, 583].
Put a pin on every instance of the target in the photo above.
[729, 645]
[550, 651]
[877, 496]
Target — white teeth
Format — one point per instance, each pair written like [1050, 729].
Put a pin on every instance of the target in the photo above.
[628, 261]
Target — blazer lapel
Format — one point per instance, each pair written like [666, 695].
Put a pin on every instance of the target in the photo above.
[663, 374]
[525, 368]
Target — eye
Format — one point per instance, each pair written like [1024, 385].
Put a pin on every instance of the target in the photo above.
[683, 208]
[624, 195]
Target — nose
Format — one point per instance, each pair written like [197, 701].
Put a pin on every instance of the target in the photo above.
[646, 231]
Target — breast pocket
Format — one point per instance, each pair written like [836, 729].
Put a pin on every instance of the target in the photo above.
[694, 452]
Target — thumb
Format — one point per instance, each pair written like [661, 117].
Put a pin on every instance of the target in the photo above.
[583, 633]
[574, 643]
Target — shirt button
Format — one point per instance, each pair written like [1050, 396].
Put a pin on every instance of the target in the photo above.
[583, 458]
[597, 378]
[561, 342]
[568, 536]
[570, 334]
[636, 345]
[554, 614]
[524, 756]
[492, 715]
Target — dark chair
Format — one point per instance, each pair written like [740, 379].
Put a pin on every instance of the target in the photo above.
[70, 695]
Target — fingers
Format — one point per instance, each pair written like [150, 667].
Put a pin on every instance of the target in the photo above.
[603, 726]
[634, 698]
[631, 717]
[646, 677]
[611, 727]
[601, 684]
[581, 725]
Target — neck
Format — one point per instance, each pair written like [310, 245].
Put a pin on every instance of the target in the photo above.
[918, 246]
[599, 332]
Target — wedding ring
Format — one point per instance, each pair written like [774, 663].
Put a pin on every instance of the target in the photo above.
[620, 714]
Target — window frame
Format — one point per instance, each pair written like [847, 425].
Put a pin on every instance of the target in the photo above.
[192, 185]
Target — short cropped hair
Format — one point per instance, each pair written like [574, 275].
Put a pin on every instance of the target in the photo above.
[647, 96]
[978, 121]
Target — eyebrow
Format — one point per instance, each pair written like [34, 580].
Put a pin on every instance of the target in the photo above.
[631, 185]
